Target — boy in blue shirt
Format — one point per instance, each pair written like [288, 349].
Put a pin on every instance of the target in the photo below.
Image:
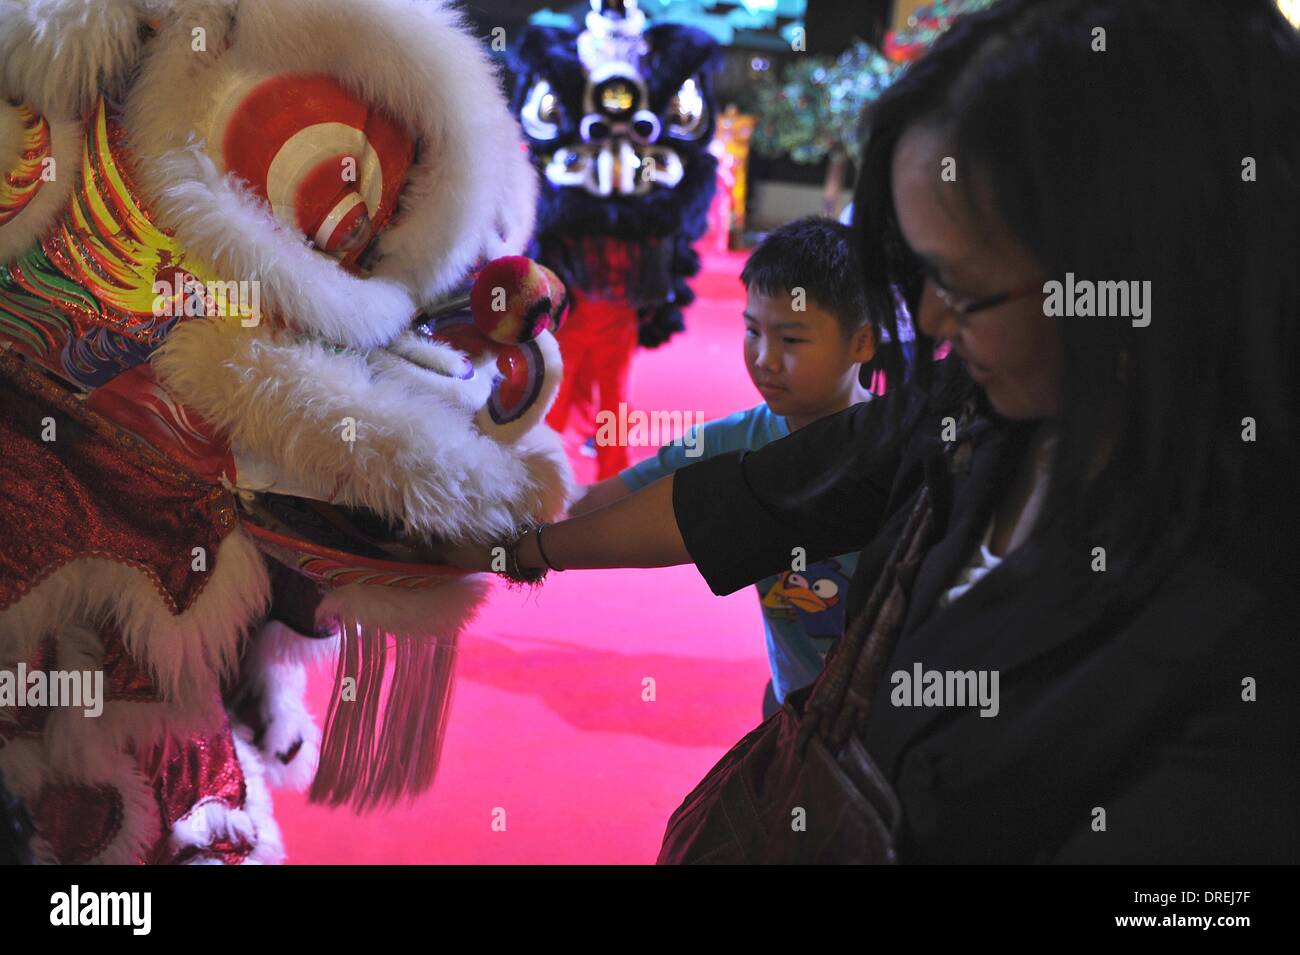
[806, 339]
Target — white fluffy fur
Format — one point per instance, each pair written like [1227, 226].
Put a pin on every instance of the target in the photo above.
[444, 610]
[420, 457]
[411, 364]
[542, 452]
[56, 55]
[178, 649]
[275, 673]
[412, 58]
[76, 744]
[26, 773]
[416, 459]
[66, 142]
[217, 220]
[269, 847]
[73, 748]
[278, 643]
[211, 819]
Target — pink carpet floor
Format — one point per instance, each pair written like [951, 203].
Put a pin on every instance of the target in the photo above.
[548, 727]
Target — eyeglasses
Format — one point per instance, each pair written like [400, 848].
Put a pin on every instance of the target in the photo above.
[962, 307]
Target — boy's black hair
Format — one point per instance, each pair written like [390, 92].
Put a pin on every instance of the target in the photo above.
[818, 255]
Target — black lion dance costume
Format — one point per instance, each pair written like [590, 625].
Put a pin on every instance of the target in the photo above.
[618, 119]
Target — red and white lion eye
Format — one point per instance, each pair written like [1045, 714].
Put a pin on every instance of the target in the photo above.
[325, 160]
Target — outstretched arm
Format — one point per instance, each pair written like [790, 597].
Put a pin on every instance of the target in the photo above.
[639, 530]
[737, 516]
[600, 495]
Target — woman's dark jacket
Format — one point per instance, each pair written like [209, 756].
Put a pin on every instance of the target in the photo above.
[1133, 708]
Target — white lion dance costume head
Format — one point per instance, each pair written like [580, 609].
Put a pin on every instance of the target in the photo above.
[242, 390]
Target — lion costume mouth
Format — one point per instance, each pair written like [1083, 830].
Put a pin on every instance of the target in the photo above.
[200, 383]
[333, 545]
[330, 542]
[226, 293]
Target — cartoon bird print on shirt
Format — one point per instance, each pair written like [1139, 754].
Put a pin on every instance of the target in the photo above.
[814, 597]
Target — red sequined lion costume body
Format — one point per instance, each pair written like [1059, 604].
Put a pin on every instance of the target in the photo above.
[241, 396]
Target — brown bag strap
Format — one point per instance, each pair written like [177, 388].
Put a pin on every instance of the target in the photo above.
[841, 699]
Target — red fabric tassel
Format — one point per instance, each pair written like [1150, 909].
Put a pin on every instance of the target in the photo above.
[382, 742]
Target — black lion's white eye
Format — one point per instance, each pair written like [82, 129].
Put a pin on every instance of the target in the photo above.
[687, 111]
[541, 114]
